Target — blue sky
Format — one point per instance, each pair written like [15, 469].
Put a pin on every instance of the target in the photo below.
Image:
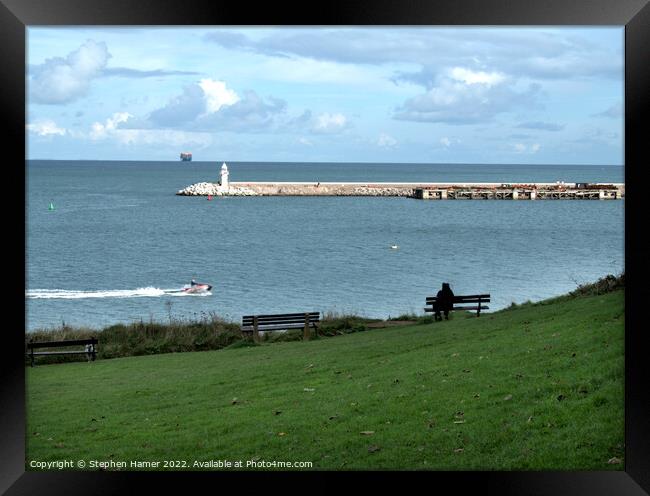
[540, 95]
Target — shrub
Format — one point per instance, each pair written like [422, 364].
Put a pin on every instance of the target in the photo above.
[603, 285]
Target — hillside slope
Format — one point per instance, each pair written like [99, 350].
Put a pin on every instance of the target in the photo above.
[534, 387]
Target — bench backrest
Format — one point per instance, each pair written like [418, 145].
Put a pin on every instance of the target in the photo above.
[471, 298]
[60, 344]
[463, 298]
[288, 319]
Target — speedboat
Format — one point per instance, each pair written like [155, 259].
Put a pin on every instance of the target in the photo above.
[197, 287]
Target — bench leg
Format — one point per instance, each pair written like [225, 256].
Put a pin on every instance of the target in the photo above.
[256, 334]
[305, 333]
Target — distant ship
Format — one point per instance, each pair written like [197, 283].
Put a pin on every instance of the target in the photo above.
[186, 156]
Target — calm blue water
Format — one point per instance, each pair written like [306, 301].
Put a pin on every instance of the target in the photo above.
[119, 238]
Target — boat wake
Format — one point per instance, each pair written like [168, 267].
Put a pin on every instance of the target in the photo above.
[148, 292]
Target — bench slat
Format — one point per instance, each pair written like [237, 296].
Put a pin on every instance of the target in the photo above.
[282, 315]
[272, 327]
[460, 299]
[471, 300]
[280, 321]
[433, 303]
[60, 353]
[483, 295]
[428, 309]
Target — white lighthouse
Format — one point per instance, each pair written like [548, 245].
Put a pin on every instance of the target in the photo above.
[224, 177]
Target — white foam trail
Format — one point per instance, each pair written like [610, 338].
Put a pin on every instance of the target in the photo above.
[113, 293]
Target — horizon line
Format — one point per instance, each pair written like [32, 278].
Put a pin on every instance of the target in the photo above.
[314, 162]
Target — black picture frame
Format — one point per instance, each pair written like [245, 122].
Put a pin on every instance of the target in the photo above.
[17, 15]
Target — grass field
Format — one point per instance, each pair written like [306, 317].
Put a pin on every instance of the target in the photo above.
[534, 387]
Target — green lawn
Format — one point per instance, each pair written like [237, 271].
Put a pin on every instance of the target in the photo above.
[534, 387]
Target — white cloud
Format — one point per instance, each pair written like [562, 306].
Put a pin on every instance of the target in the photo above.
[522, 148]
[111, 129]
[467, 97]
[540, 51]
[447, 142]
[217, 95]
[468, 76]
[101, 131]
[327, 123]
[323, 123]
[305, 141]
[46, 128]
[61, 80]
[210, 106]
[386, 140]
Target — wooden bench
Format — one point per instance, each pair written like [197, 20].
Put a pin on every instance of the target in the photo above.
[475, 302]
[90, 348]
[255, 323]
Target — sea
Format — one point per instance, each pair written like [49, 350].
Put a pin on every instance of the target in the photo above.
[110, 242]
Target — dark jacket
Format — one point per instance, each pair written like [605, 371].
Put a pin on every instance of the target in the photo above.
[445, 297]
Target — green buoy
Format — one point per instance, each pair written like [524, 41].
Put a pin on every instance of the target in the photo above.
[51, 207]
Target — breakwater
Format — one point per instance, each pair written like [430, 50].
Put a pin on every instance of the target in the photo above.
[423, 191]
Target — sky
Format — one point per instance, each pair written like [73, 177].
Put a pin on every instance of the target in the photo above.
[520, 95]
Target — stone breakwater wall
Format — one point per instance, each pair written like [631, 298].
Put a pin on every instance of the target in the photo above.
[327, 189]
[298, 189]
[214, 189]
